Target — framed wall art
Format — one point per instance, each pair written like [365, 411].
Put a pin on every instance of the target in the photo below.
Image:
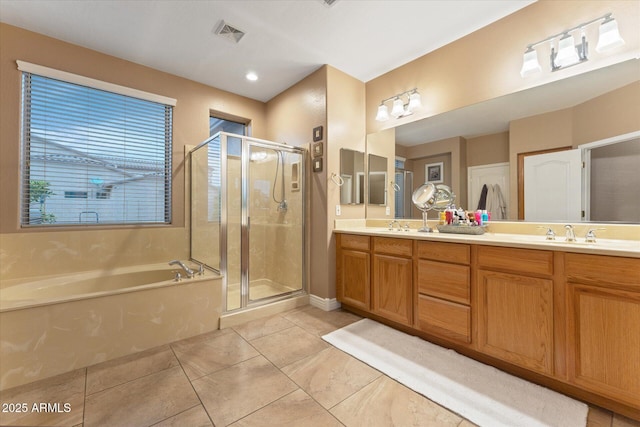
[434, 172]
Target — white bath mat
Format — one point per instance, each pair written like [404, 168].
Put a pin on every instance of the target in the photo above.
[478, 392]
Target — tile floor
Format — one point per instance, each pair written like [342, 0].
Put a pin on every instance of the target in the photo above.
[270, 372]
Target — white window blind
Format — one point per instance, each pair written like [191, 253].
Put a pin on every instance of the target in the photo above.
[92, 156]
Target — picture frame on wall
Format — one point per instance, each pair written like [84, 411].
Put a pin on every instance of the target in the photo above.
[317, 164]
[434, 172]
[317, 133]
[317, 149]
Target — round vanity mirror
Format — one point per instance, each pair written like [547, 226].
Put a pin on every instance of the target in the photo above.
[429, 196]
[424, 198]
[444, 197]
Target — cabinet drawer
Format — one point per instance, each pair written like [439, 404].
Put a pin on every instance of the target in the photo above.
[442, 280]
[600, 269]
[521, 261]
[352, 241]
[447, 252]
[444, 318]
[391, 246]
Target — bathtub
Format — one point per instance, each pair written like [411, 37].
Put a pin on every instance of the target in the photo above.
[53, 325]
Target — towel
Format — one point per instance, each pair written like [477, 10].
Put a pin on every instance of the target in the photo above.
[482, 203]
[495, 203]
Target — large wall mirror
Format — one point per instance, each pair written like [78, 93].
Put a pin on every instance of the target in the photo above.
[494, 137]
[377, 180]
[352, 174]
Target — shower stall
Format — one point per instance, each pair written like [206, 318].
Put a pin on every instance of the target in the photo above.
[248, 217]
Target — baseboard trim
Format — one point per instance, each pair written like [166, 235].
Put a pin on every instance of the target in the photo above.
[326, 304]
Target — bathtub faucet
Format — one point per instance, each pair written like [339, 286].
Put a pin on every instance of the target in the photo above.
[190, 272]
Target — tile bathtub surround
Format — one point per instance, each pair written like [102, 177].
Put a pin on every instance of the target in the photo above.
[270, 372]
[44, 341]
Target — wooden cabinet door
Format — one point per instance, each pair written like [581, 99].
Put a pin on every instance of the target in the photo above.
[515, 319]
[392, 282]
[353, 287]
[604, 343]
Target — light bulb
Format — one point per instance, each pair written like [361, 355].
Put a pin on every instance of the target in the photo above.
[530, 62]
[383, 113]
[398, 108]
[567, 53]
[608, 35]
[414, 101]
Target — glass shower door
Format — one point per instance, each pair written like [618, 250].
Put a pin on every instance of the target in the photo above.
[247, 217]
[273, 219]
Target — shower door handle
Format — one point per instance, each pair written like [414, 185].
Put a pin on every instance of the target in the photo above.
[248, 222]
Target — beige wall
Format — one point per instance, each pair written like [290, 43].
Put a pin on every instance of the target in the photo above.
[614, 113]
[486, 64]
[488, 149]
[62, 250]
[292, 116]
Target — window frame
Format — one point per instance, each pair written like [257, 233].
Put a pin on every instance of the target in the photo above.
[26, 142]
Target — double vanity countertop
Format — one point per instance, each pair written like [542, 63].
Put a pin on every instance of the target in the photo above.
[602, 246]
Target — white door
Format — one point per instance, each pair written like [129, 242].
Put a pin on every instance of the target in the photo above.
[552, 186]
[494, 174]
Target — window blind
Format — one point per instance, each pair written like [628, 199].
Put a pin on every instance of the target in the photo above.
[92, 156]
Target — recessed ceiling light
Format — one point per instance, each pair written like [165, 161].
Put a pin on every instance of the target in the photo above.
[251, 76]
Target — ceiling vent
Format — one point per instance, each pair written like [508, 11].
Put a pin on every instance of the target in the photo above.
[329, 3]
[229, 32]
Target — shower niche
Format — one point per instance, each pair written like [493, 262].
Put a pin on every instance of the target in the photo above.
[247, 217]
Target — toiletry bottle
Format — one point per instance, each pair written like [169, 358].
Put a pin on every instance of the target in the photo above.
[471, 218]
[485, 217]
[443, 218]
[478, 216]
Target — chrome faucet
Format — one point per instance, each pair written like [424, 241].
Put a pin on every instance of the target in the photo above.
[190, 272]
[395, 222]
[571, 235]
[550, 234]
[590, 237]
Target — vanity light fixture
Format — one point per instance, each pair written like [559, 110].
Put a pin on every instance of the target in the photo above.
[399, 108]
[568, 52]
[608, 35]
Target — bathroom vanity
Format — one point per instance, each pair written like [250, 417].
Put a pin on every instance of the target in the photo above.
[564, 316]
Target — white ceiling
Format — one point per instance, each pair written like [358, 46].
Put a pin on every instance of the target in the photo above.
[285, 40]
